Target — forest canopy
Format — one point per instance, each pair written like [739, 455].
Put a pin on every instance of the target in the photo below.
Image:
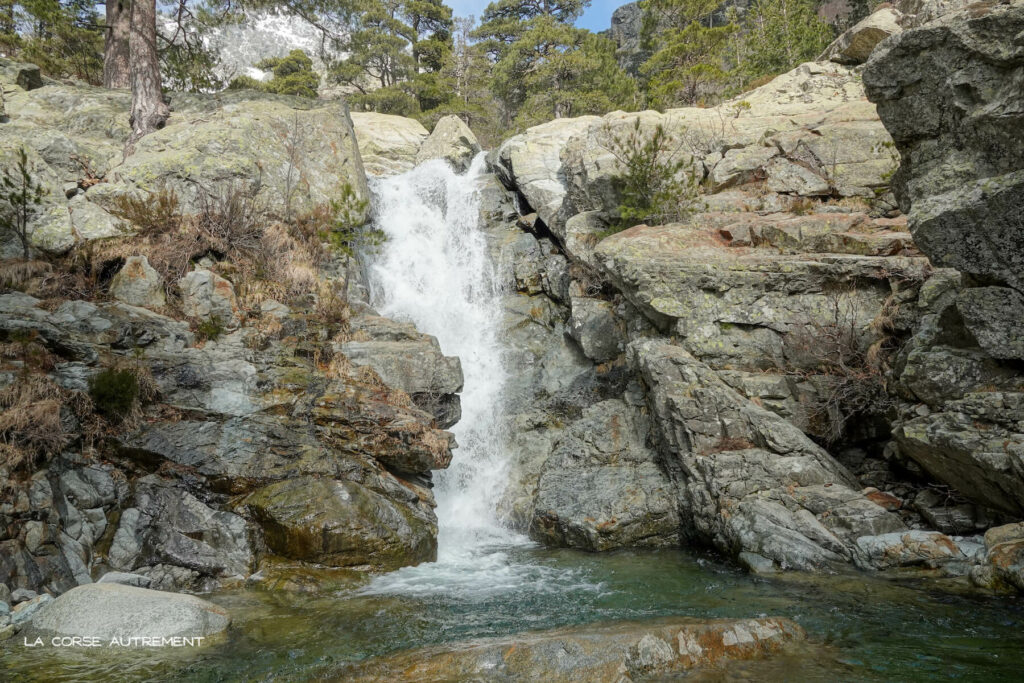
[521, 63]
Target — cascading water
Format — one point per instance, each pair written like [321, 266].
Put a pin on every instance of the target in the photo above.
[434, 270]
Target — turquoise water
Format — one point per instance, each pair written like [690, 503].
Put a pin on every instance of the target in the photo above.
[872, 629]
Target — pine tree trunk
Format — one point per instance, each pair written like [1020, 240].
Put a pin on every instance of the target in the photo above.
[149, 111]
[115, 46]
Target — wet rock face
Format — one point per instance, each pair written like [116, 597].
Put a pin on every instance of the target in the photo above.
[341, 524]
[408, 360]
[231, 419]
[949, 92]
[639, 650]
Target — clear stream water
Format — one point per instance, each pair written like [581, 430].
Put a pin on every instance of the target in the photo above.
[434, 271]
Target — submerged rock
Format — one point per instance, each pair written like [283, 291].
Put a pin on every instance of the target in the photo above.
[590, 653]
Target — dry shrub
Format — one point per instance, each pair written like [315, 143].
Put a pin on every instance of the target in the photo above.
[229, 225]
[802, 206]
[24, 346]
[728, 443]
[157, 212]
[63, 279]
[290, 260]
[845, 359]
[30, 419]
[21, 274]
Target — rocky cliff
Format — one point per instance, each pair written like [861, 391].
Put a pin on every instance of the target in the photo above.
[194, 385]
[674, 377]
[952, 94]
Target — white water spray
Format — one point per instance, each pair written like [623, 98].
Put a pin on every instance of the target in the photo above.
[434, 270]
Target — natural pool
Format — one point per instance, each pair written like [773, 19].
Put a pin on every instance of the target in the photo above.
[872, 629]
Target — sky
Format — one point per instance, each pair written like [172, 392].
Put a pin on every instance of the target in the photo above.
[597, 17]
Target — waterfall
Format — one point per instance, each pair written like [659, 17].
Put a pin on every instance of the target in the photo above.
[435, 271]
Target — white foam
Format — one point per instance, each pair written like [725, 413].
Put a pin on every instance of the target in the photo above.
[434, 270]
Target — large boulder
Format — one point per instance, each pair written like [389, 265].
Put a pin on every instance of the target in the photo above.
[733, 305]
[284, 152]
[601, 487]
[340, 524]
[138, 284]
[451, 140]
[388, 144]
[110, 611]
[810, 131]
[748, 480]
[289, 157]
[950, 94]
[228, 418]
[532, 163]
[856, 44]
[949, 91]
[207, 296]
[975, 444]
[408, 360]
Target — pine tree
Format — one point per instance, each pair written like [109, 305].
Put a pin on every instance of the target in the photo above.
[466, 73]
[293, 75]
[544, 67]
[584, 79]
[115, 49]
[690, 59]
[778, 35]
[20, 197]
[62, 37]
[149, 110]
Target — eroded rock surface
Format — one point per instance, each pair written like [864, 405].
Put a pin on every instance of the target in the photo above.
[625, 651]
[949, 91]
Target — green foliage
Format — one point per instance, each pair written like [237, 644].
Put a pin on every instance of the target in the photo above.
[656, 185]
[396, 51]
[701, 54]
[114, 392]
[583, 78]
[293, 75]
[466, 75]
[60, 36]
[20, 197]
[689, 61]
[210, 329]
[778, 35]
[347, 230]
[544, 67]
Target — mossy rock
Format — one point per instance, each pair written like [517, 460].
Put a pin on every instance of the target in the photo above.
[341, 524]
